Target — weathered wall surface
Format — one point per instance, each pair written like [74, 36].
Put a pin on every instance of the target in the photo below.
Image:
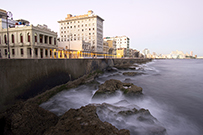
[25, 78]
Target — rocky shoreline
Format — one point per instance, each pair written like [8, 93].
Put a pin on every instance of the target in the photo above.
[28, 118]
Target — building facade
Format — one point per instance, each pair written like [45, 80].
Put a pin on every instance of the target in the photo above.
[121, 42]
[26, 41]
[87, 28]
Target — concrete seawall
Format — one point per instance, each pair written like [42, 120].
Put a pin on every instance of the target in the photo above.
[25, 78]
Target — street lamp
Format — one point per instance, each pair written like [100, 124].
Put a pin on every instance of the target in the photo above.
[9, 14]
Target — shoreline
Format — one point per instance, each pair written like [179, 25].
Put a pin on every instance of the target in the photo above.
[30, 113]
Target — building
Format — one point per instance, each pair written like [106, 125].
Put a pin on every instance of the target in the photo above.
[121, 42]
[87, 28]
[25, 40]
[105, 47]
[121, 52]
[146, 53]
[112, 46]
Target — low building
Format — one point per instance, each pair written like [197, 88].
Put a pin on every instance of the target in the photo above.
[25, 40]
[121, 52]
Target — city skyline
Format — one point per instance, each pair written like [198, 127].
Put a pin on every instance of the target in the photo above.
[160, 26]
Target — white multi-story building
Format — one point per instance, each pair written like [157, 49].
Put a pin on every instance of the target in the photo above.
[87, 27]
[25, 41]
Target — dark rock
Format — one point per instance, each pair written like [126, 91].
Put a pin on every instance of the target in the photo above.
[111, 69]
[110, 86]
[25, 118]
[132, 73]
[84, 121]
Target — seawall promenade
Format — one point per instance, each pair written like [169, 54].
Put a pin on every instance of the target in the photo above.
[21, 79]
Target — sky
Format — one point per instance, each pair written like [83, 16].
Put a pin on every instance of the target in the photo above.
[162, 26]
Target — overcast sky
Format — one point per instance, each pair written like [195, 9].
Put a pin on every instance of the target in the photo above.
[161, 26]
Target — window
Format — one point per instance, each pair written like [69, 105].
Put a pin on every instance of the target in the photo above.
[41, 38]
[21, 51]
[28, 37]
[45, 39]
[12, 38]
[21, 38]
[92, 28]
[54, 41]
[35, 37]
[50, 39]
[70, 26]
[89, 28]
[78, 26]
[5, 52]
[0, 39]
[13, 51]
[5, 39]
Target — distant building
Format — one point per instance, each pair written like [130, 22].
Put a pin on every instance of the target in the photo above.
[146, 53]
[121, 52]
[105, 47]
[25, 40]
[86, 28]
[112, 46]
[191, 53]
[121, 42]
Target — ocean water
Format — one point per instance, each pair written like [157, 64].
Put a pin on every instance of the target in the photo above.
[173, 93]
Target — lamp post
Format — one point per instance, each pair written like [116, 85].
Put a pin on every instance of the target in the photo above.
[9, 14]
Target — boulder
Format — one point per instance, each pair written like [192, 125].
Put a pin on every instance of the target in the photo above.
[84, 121]
[110, 87]
[25, 118]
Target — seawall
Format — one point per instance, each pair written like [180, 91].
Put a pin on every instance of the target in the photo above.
[21, 79]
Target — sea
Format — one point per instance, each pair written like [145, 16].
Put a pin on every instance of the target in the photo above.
[172, 92]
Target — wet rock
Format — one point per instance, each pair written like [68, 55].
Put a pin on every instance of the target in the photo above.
[25, 118]
[122, 117]
[132, 67]
[111, 69]
[84, 121]
[132, 73]
[110, 86]
[133, 90]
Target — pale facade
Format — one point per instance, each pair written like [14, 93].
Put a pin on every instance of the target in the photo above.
[79, 45]
[87, 27]
[105, 47]
[26, 41]
[121, 42]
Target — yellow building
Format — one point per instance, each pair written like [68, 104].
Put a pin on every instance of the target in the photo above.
[121, 52]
